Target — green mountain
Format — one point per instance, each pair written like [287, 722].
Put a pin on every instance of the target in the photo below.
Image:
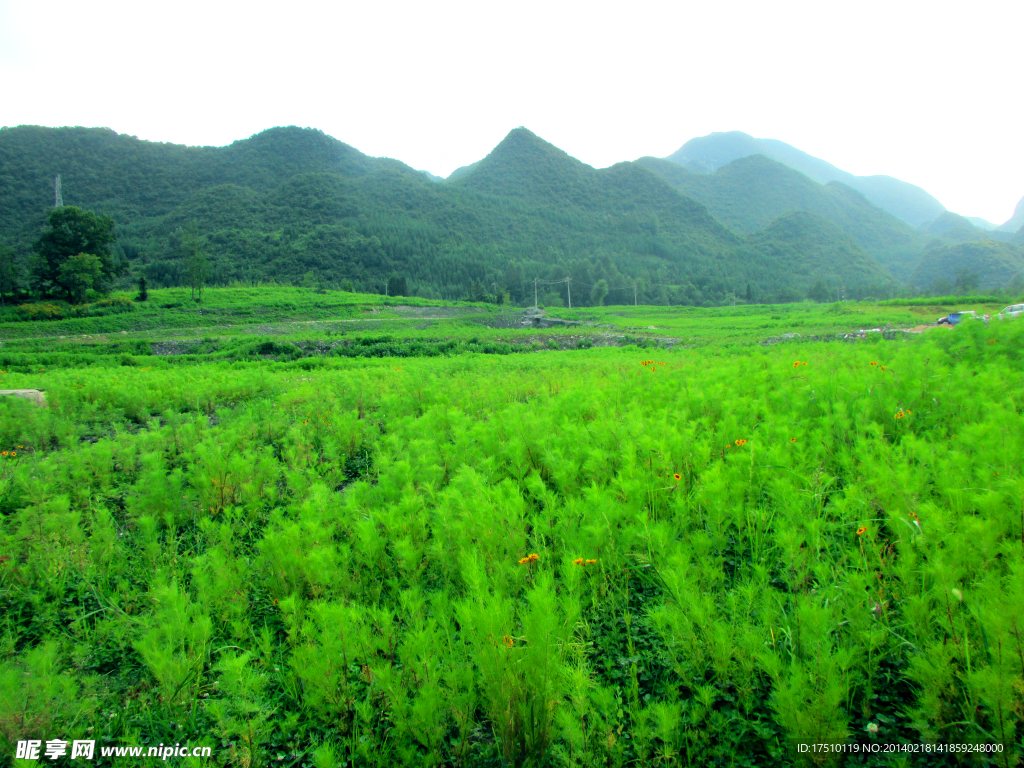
[995, 263]
[749, 193]
[295, 205]
[707, 154]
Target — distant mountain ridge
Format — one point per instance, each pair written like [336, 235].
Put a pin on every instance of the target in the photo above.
[706, 154]
[751, 192]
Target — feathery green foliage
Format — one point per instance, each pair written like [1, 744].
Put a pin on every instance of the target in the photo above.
[615, 556]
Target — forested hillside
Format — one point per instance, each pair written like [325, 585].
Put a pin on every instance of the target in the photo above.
[295, 205]
[813, 248]
[983, 264]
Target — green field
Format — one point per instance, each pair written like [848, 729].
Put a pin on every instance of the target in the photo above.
[335, 529]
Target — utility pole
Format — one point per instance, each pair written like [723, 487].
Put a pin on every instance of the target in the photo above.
[535, 293]
[568, 288]
[58, 198]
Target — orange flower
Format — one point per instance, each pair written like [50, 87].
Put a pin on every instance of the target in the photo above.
[741, 442]
[534, 556]
[883, 367]
[796, 364]
[508, 641]
[14, 453]
[873, 362]
[578, 561]
[524, 560]
[991, 341]
[677, 477]
[862, 530]
[4, 453]
[792, 439]
[899, 414]
[591, 562]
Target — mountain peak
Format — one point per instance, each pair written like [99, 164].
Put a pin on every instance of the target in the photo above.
[524, 164]
[283, 151]
[706, 154]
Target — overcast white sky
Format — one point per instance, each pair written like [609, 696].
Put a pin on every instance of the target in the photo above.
[928, 92]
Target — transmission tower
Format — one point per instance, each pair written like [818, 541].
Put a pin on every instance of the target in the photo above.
[58, 199]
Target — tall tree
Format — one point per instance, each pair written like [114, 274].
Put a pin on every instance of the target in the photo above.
[197, 267]
[397, 286]
[78, 274]
[966, 281]
[71, 232]
[9, 271]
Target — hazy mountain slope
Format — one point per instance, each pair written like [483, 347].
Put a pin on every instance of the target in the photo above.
[956, 228]
[1016, 221]
[750, 193]
[707, 154]
[995, 263]
[980, 223]
[461, 171]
